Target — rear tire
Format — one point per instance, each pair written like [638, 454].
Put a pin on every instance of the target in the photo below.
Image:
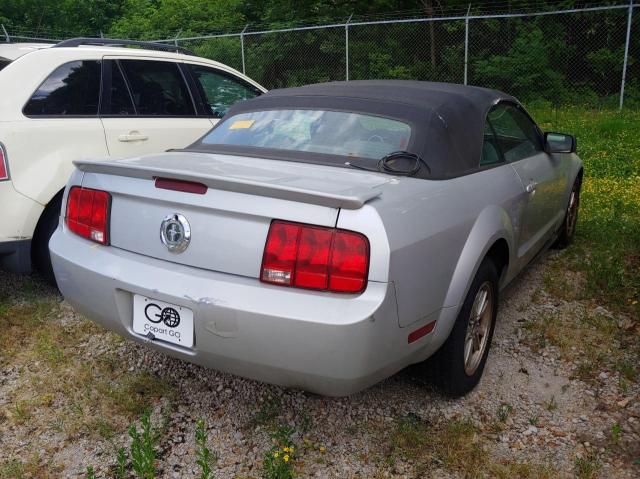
[40, 256]
[456, 368]
[568, 228]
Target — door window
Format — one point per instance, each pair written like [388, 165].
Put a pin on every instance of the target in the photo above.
[72, 89]
[119, 101]
[158, 88]
[516, 134]
[221, 90]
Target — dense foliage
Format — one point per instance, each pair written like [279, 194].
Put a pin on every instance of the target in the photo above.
[569, 58]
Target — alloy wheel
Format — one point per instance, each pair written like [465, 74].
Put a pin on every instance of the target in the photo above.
[478, 328]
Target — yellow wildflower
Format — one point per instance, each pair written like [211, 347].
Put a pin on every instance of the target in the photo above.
[276, 454]
[322, 449]
[285, 449]
[286, 458]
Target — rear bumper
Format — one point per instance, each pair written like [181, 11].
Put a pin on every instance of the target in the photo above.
[19, 218]
[330, 344]
[16, 256]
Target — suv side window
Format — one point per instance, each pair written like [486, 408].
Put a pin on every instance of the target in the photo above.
[516, 134]
[118, 100]
[72, 89]
[158, 88]
[221, 90]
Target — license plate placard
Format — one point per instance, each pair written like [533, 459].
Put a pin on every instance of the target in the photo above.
[167, 322]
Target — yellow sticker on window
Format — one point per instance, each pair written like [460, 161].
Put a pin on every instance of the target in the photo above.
[241, 124]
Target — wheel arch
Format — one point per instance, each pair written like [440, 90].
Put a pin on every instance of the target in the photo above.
[491, 237]
[52, 203]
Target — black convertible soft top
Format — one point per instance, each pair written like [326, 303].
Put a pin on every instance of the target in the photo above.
[447, 120]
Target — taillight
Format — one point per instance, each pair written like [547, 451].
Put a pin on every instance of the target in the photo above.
[88, 213]
[4, 167]
[315, 257]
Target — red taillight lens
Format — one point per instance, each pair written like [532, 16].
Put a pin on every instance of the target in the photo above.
[88, 213]
[349, 262]
[4, 168]
[315, 257]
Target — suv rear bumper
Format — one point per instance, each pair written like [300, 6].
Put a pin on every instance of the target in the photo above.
[15, 256]
[327, 343]
[19, 218]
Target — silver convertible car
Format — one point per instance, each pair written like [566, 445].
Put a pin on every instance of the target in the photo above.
[323, 237]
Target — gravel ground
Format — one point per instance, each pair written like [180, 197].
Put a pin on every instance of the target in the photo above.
[528, 408]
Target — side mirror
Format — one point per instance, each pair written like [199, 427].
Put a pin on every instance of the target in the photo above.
[559, 143]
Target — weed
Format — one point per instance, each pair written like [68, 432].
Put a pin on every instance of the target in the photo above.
[306, 421]
[279, 463]
[104, 429]
[121, 464]
[458, 446]
[91, 474]
[588, 466]
[616, 432]
[22, 411]
[204, 457]
[143, 448]
[281, 433]
[13, 469]
[551, 404]
[624, 385]
[504, 411]
[268, 412]
[534, 420]
[627, 370]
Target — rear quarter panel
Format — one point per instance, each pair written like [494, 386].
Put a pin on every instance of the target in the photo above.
[437, 233]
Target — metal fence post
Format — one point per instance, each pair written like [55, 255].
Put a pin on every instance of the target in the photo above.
[346, 46]
[175, 40]
[466, 44]
[6, 34]
[626, 53]
[242, 47]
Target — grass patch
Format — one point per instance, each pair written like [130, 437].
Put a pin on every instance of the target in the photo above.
[60, 386]
[601, 267]
[591, 340]
[606, 250]
[587, 466]
[456, 445]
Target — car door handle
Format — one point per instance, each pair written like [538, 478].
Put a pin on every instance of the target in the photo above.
[531, 187]
[133, 136]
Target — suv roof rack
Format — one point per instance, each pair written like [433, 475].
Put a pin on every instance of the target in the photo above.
[75, 42]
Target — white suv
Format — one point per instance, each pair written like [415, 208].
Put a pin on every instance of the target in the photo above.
[92, 98]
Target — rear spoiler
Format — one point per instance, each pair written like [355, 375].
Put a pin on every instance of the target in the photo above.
[353, 198]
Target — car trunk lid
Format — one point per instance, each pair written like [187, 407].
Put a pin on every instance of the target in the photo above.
[230, 221]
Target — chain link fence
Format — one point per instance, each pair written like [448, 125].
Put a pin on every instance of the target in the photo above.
[587, 56]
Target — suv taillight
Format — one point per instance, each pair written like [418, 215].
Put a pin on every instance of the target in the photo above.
[88, 213]
[315, 257]
[4, 167]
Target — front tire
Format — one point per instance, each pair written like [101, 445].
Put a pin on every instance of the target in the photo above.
[568, 228]
[457, 366]
[40, 256]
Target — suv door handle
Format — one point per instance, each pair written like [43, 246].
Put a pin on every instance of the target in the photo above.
[531, 187]
[133, 136]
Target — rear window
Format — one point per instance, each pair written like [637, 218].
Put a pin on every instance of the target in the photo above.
[72, 89]
[318, 131]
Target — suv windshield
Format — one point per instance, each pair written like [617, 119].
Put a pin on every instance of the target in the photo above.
[317, 131]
